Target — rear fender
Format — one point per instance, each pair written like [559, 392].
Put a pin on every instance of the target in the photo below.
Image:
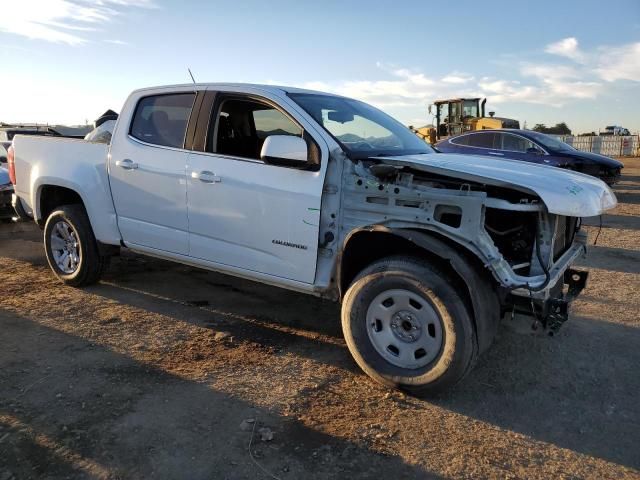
[97, 204]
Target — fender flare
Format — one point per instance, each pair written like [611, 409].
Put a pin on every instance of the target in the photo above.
[482, 293]
[484, 299]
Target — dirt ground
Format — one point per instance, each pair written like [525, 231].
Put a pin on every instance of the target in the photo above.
[166, 371]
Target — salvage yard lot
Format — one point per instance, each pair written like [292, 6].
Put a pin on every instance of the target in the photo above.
[152, 372]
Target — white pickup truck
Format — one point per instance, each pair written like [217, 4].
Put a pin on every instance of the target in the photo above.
[324, 195]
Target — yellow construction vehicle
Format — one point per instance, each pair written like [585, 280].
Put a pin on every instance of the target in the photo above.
[459, 115]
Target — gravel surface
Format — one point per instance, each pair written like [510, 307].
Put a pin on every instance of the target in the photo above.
[168, 371]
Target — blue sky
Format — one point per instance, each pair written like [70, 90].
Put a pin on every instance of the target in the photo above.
[540, 62]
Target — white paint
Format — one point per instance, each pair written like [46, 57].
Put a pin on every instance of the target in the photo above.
[238, 215]
[563, 192]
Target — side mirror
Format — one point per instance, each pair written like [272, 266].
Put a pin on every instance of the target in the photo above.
[430, 109]
[285, 150]
[534, 150]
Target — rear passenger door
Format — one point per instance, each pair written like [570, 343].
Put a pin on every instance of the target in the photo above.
[481, 143]
[244, 213]
[147, 171]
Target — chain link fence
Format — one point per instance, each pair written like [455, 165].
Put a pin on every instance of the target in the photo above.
[610, 145]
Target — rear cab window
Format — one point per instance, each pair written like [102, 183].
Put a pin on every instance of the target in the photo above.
[162, 119]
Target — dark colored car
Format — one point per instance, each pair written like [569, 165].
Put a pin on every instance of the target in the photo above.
[6, 189]
[533, 147]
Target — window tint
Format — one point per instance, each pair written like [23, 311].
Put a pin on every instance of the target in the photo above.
[515, 143]
[273, 122]
[462, 140]
[243, 126]
[483, 140]
[162, 119]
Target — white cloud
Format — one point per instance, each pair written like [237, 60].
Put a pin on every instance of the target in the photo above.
[457, 78]
[552, 83]
[619, 63]
[405, 87]
[116, 42]
[609, 63]
[62, 21]
[567, 47]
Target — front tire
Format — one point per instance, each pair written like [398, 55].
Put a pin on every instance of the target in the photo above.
[407, 327]
[71, 247]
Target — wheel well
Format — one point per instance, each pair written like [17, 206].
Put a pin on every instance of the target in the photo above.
[365, 247]
[462, 268]
[53, 196]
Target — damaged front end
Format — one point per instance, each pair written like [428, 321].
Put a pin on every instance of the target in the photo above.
[527, 246]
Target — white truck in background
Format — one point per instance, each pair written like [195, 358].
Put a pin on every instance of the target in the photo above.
[324, 195]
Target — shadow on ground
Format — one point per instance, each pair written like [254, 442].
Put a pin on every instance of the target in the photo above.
[569, 390]
[86, 411]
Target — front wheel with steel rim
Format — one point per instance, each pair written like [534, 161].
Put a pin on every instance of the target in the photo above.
[406, 325]
[71, 247]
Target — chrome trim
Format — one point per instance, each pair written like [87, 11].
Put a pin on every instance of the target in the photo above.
[164, 147]
[450, 140]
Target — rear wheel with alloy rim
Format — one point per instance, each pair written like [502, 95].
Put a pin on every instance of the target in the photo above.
[406, 326]
[65, 247]
[71, 247]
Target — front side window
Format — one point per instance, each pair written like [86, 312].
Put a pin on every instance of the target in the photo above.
[243, 125]
[515, 143]
[162, 119]
[362, 130]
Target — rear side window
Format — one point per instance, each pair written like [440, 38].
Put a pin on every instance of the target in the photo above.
[483, 140]
[162, 119]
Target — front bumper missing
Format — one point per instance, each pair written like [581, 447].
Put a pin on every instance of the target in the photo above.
[551, 313]
[556, 310]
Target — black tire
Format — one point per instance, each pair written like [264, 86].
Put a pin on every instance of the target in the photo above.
[91, 264]
[457, 352]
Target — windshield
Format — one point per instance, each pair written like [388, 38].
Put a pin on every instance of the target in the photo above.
[550, 142]
[362, 130]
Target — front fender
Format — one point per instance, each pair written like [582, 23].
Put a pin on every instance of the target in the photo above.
[479, 282]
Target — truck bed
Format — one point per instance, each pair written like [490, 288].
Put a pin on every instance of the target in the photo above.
[66, 163]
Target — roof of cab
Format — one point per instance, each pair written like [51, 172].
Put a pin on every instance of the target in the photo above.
[267, 88]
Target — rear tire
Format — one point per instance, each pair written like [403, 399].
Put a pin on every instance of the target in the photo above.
[71, 247]
[407, 327]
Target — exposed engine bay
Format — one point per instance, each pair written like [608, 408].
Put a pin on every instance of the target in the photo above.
[526, 249]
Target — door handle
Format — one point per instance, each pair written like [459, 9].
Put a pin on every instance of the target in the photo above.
[126, 164]
[206, 177]
[496, 153]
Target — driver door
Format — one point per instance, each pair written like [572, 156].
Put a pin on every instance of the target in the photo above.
[245, 213]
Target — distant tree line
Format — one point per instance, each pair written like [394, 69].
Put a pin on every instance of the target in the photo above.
[558, 129]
